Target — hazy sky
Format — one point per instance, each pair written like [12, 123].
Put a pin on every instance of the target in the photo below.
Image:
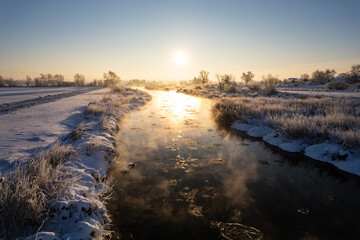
[138, 38]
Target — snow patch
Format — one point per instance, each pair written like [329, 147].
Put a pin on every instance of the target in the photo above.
[273, 138]
[238, 125]
[258, 131]
[293, 146]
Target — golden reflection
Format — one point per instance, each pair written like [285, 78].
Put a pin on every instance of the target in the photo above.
[179, 107]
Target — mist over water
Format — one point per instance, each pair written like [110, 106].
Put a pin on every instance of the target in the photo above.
[196, 180]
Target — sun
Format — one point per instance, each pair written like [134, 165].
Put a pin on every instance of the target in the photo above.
[180, 58]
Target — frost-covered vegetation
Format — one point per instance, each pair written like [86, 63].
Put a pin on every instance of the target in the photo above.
[28, 192]
[315, 119]
[61, 192]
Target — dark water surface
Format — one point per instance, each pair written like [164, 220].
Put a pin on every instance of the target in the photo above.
[194, 180]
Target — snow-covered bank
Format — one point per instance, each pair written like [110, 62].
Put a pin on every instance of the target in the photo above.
[327, 130]
[81, 213]
[335, 154]
[27, 129]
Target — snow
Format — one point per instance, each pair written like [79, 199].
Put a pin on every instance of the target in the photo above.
[331, 94]
[325, 152]
[293, 146]
[238, 125]
[336, 155]
[82, 215]
[22, 132]
[15, 94]
[322, 152]
[258, 131]
[302, 87]
[273, 138]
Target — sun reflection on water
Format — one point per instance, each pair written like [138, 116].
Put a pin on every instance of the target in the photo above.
[178, 107]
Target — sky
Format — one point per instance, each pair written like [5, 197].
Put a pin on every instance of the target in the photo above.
[138, 39]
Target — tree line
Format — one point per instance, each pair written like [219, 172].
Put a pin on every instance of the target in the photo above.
[57, 80]
[318, 77]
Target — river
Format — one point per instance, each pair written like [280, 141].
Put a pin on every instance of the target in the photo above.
[193, 179]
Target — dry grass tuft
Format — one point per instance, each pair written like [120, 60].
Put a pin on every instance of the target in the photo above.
[78, 132]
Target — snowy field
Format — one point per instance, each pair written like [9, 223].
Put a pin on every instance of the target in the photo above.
[26, 129]
[331, 94]
[16, 94]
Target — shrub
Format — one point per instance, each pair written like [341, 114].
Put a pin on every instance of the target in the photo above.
[337, 85]
[269, 82]
[116, 89]
[254, 86]
[231, 88]
[78, 132]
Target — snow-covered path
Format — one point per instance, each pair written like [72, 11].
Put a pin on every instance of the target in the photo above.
[38, 126]
[13, 106]
[15, 94]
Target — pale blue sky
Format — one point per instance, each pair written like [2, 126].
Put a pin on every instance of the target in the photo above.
[137, 39]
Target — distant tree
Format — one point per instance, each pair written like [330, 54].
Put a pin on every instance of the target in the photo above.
[111, 79]
[224, 79]
[50, 81]
[59, 79]
[94, 82]
[203, 76]
[322, 76]
[28, 81]
[42, 80]
[247, 77]
[11, 82]
[1, 81]
[354, 74]
[100, 83]
[305, 76]
[79, 79]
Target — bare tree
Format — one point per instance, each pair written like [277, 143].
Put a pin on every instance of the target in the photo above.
[50, 80]
[354, 74]
[322, 76]
[79, 79]
[224, 79]
[59, 79]
[203, 76]
[111, 79]
[28, 81]
[305, 76]
[247, 77]
[1, 81]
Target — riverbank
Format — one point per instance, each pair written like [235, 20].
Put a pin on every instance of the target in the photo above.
[60, 194]
[324, 129]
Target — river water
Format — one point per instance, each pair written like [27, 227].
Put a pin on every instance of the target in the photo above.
[193, 179]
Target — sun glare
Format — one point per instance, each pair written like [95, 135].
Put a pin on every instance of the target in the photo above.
[180, 58]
